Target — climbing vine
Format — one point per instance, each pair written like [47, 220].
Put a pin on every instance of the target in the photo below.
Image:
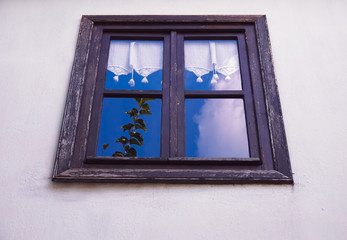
[132, 129]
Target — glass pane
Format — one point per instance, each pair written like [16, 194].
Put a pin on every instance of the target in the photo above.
[216, 128]
[211, 65]
[135, 65]
[141, 135]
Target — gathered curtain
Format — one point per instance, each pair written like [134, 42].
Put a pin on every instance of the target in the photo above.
[146, 57]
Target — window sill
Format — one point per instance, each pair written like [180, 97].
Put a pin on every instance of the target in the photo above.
[172, 174]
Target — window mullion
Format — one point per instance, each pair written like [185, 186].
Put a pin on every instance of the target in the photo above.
[173, 96]
[180, 102]
[166, 89]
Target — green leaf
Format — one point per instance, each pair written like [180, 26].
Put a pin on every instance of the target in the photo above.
[140, 121]
[122, 140]
[127, 126]
[105, 146]
[132, 113]
[131, 153]
[139, 101]
[117, 154]
[134, 141]
[137, 135]
[145, 112]
[132, 133]
[140, 124]
[145, 106]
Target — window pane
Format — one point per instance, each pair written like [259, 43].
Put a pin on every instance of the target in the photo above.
[211, 65]
[135, 65]
[216, 128]
[114, 118]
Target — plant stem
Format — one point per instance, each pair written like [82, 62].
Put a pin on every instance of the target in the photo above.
[132, 130]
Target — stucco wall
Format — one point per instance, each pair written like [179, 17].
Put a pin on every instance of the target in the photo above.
[37, 42]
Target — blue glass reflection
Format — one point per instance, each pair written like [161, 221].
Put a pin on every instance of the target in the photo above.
[154, 81]
[216, 128]
[191, 84]
[114, 117]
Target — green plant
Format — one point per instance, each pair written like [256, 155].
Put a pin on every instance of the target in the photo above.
[134, 137]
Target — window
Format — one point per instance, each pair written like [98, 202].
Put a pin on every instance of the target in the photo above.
[173, 99]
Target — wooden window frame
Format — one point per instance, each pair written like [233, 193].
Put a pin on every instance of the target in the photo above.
[269, 157]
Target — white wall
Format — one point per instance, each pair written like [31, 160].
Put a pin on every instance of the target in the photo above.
[37, 42]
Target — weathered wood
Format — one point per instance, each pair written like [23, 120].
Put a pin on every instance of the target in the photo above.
[180, 101]
[173, 97]
[201, 28]
[252, 131]
[258, 99]
[132, 93]
[130, 175]
[272, 100]
[73, 102]
[89, 86]
[94, 97]
[214, 94]
[171, 160]
[165, 110]
[174, 18]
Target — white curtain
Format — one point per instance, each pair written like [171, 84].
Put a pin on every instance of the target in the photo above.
[146, 57]
[202, 57]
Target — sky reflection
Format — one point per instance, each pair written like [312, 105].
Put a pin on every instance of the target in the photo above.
[216, 128]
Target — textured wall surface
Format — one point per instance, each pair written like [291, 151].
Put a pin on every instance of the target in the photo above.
[37, 44]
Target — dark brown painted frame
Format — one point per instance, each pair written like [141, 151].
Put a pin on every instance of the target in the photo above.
[75, 165]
